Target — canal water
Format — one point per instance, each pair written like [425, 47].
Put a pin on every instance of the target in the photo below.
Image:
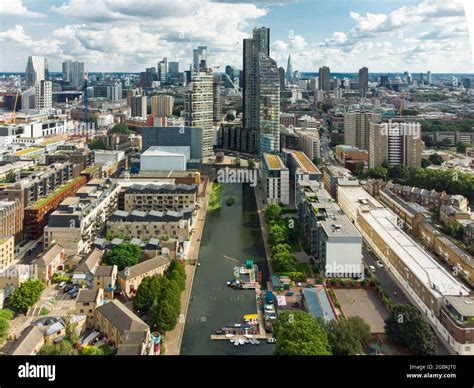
[233, 231]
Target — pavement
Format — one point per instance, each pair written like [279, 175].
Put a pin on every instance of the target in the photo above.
[261, 206]
[174, 337]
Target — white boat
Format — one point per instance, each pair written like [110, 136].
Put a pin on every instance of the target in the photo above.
[236, 343]
[257, 342]
[234, 340]
[241, 341]
[252, 341]
[246, 340]
[229, 335]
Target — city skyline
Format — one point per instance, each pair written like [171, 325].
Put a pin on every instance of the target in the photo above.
[398, 35]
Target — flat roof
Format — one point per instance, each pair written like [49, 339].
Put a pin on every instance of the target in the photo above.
[339, 225]
[273, 162]
[423, 266]
[304, 162]
[463, 305]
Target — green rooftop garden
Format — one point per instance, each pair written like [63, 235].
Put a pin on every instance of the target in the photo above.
[55, 193]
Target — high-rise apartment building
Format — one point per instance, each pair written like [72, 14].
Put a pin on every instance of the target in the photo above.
[43, 95]
[200, 58]
[73, 72]
[162, 106]
[324, 78]
[363, 81]
[356, 128]
[198, 108]
[398, 143]
[138, 106]
[261, 101]
[216, 98]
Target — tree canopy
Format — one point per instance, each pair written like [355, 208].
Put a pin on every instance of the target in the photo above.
[348, 336]
[406, 326]
[26, 295]
[123, 255]
[297, 333]
[272, 213]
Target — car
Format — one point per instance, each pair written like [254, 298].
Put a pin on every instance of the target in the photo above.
[73, 290]
[61, 285]
[379, 263]
[68, 288]
[371, 268]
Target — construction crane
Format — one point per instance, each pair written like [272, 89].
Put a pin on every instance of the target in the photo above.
[14, 107]
[85, 99]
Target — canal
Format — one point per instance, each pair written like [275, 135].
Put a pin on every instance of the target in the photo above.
[233, 231]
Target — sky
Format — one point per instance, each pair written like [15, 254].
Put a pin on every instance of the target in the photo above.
[131, 35]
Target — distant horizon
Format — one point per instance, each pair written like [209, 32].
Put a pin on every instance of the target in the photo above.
[346, 35]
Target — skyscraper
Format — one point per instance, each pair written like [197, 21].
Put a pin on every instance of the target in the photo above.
[282, 74]
[428, 77]
[198, 108]
[324, 78]
[173, 71]
[200, 58]
[398, 143]
[269, 104]
[73, 72]
[261, 101]
[163, 70]
[289, 71]
[363, 81]
[43, 95]
[216, 98]
[36, 70]
[356, 128]
[162, 105]
[138, 106]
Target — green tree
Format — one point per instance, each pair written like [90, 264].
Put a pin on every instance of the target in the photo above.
[10, 177]
[123, 255]
[97, 144]
[436, 159]
[7, 314]
[461, 147]
[297, 333]
[280, 248]
[425, 163]
[148, 293]
[360, 167]
[348, 336]
[398, 173]
[164, 313]
[92, 351]
[406, 326]
[251, 164]
[284, 262]
[177, 272]
[63, 348]
[277, 234]
[26, 295]
[386, 164]
[4, 329]
[272, 213]
[378, 173]
[121, 128]
[229, 117]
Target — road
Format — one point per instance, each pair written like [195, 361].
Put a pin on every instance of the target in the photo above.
[21, 257]
[326, 152]
[393, 289]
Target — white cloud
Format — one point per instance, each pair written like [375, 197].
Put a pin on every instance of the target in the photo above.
[16, 7]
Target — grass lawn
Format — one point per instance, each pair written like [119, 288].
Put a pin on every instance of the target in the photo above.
[215, 197]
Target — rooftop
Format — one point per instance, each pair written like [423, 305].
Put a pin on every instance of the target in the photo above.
[121, 317]
[273, 162]
[143, 267]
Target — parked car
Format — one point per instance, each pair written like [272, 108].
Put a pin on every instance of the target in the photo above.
[371, 268]
[68, 288]
[61, 285]
[379, 263]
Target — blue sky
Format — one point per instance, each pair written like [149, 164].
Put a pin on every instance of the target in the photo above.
[122, 35]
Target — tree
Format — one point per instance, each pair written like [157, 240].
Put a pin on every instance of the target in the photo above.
[4, 329]
[250, 164]
[148, 293]
[428, 141]
[461, 147]
[360, 167]
[425, 163]
[10, 177]
[406, 326]
[230, 117]
[272, 213]
[164, 313]
[349, 336]
[62, 348]
[284, 262]
[123, 255]
[97, 144]
[277, 234]
[318, 161]
[121, 128]
[177, 272]
[7, 314]
[280, 248]
[297, 333]
[26, 295]
[436, 159]
[92, 351]
[378, 173]
[398, 173]
[386, 164]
